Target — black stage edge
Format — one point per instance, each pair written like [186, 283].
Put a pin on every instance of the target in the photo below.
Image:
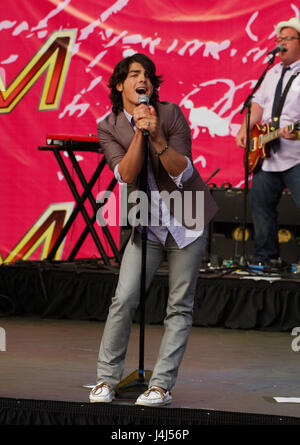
[45, 412]
[82, 290]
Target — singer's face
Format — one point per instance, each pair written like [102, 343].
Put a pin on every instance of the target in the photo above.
[292, 46]
[136, 83]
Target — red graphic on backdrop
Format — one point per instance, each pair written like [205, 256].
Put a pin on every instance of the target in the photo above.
[54, 55]
[210, 55]
[44, 231]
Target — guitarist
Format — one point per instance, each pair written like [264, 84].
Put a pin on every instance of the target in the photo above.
[282, 168]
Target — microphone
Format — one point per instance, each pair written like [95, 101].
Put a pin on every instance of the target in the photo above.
[144, 99]
[278, 49]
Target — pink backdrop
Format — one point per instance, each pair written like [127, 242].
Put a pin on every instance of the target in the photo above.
[56, 59]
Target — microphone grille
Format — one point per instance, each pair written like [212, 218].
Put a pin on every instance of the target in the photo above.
[144, 99]
[281, 48]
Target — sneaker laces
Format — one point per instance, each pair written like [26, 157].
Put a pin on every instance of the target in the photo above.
[100, 386]
[161, 391]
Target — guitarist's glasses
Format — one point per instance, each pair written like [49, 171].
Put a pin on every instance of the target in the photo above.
[286, 39]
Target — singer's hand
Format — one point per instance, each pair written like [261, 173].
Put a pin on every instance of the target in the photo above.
[140, 112]
[145, 118]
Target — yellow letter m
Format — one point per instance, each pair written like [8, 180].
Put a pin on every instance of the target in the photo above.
[54, 55]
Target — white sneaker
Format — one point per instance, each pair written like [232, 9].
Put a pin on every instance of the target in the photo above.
[102, 392]
[154, 396]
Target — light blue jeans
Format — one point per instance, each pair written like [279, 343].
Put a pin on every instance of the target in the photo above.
[184, 267]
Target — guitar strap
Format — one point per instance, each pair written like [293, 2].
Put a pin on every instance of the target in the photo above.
[275, 121]
[278, 111]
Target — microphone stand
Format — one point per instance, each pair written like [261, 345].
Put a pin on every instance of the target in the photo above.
[247, 104]
[137, 382]
[210, 226]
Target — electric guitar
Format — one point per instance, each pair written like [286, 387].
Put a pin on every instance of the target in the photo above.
[260, 136]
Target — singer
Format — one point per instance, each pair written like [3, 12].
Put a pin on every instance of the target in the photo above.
[170, 167]
[282, 168]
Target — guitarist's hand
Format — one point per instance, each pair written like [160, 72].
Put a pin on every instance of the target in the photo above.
[241, 138]
[286, 134]
[255, 118]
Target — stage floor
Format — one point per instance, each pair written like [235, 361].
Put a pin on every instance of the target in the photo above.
[223, 369]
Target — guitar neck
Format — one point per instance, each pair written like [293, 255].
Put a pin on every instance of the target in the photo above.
[275, 134]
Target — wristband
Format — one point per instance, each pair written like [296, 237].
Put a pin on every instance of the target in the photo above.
[298, 136]
[159, 153]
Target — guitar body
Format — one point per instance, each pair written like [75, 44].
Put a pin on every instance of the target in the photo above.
[258, 150]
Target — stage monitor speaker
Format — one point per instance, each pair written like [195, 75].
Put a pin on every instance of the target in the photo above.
[226, 228]
[231, 207]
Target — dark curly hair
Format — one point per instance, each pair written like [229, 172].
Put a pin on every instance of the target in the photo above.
[120, 73]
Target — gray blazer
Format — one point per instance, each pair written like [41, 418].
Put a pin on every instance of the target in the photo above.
[115, 134]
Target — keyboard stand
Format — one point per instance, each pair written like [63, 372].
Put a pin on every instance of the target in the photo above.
[70, 147]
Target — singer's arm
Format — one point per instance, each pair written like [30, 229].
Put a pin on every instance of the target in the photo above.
[173, 161]
[131, 164]
[255, 117]
[145, 118]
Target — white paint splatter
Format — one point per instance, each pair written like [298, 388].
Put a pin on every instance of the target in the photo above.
[137, 38]
[196, 44]
[172, 46]
[234, 128]
[6, 24]
[12, 58]
[116, 39]
[203, 117]
[211, 119]
[75, 49]
[96, 60]
[78, 157]
[116, 7]
[102, 53]
[128, 52]
[75, 107]
[200, 159]
[42, 34]
[213, 48]
[258, 53]
[109, 32]
[90, 28]
[23, 26]
[210, 48]
[242, 183]
[43, 23]
[248, 27]
[101, 118]
[295, 9]
[93, 83]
